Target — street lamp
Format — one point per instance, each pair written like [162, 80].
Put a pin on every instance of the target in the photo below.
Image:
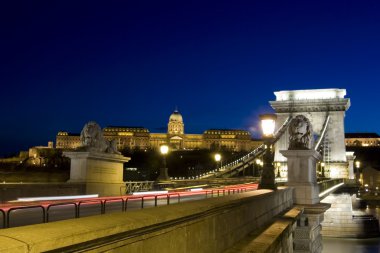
[164, 149]
[267, 181]
[218, 158]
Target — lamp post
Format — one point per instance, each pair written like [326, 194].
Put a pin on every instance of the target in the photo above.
[278, 165]
[218, 158]
[357, 166]
[323, 169]
[259, 163]
[268, 176]
[164, 149]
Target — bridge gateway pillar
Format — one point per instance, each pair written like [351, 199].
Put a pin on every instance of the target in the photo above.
[316, 105]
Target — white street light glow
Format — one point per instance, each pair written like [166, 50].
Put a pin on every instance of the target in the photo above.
[164, 149]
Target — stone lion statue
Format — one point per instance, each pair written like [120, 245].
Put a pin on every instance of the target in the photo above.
[92, 139]
[300, 133]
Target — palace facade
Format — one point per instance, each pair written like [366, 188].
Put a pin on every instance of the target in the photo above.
[362, 140]
[142, 138]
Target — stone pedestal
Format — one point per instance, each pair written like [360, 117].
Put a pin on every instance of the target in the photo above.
[102, 173]
[302, 175]
[307, 236]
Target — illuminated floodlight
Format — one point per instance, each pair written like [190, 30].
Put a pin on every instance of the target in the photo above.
[217, 157]
[58, 197]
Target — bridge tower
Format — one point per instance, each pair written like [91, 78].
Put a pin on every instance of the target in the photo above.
[316, 105]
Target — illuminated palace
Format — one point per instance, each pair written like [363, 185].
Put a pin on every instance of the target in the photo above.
[362, 140]
[141, 138]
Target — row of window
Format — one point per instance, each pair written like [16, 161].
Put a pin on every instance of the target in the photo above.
[138, 130]
[228, 132]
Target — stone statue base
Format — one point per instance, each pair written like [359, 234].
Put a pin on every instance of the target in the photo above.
[102, 173]
[302, 175]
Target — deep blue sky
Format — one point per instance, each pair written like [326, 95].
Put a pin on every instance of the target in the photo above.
[63, 63]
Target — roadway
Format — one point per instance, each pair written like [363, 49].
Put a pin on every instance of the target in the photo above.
[14, 214]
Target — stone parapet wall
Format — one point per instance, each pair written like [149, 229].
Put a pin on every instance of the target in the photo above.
[211, 225]
[275, 238]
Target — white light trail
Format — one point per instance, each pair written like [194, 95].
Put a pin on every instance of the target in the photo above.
[57, 198]
[150, 193]
[322, 194]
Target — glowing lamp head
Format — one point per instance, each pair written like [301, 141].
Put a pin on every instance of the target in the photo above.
[268, 123]
[164, 149]
[357, 164]
[217, 157]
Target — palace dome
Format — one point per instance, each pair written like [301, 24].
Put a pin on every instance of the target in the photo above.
[176, 116]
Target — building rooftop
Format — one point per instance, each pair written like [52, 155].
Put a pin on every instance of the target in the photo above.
[362, 135]
[227, 131]
[310, 94]
[137, 127]
[63, 133]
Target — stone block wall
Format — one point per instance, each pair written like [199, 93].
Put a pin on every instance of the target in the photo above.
[339, 220]
[210, 225]
[275, 238]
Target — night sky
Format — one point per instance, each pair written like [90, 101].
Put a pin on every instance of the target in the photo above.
[130, 63]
